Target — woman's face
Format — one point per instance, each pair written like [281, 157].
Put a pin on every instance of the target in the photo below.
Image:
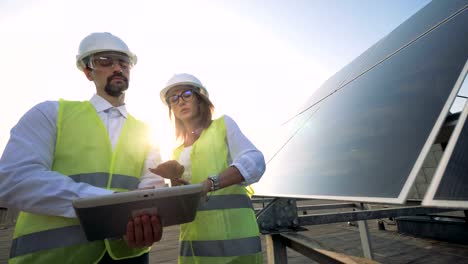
[183, 102]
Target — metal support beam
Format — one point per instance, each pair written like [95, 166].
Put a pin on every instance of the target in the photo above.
[325, 206]
[327, 218]
[317, 207]
[365, 237]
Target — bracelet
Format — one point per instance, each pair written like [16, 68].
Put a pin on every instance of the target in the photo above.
[207, 198]
[212, 188]
[215, 180]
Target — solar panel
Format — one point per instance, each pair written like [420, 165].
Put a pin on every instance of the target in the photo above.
[449, 187]
[365, 133]
[421, 23]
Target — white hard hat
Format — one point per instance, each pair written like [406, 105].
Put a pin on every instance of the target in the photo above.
[99, 42]
[182, 79]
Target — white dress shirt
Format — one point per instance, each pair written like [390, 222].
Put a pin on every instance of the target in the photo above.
[26, 179]
[242, 154]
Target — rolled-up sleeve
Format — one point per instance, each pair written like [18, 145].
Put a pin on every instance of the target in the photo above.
[244, 155]
[148, 179]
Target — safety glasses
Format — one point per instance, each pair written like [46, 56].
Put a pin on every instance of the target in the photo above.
[109, 61]
[186, 96]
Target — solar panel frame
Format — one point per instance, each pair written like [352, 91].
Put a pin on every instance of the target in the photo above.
[430, 198]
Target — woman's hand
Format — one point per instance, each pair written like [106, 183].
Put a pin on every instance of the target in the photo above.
[170, 169]
[207, 185]
[179, 181]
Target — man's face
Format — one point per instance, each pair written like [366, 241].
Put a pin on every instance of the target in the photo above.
[110, 72]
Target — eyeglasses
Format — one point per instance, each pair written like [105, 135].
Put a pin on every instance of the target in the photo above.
[186, 96]
[109, 61]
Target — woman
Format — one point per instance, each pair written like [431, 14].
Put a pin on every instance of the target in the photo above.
[216, 154]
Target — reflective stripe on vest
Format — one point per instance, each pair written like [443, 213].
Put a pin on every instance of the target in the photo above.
[221, 248]
[230, 201]
[48, 239]
[124, 182]
[100, 179]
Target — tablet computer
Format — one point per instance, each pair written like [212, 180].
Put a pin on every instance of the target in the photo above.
[107, 216]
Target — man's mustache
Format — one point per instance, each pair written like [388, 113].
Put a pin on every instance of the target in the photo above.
[117, 74]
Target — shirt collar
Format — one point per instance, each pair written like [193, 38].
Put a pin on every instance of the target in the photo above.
[101, 105]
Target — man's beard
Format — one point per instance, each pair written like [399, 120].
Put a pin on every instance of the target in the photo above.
[115, 90]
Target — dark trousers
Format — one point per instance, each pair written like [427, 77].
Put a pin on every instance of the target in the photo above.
[143, 259]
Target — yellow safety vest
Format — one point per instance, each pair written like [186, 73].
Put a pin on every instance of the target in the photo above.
[83, 152]
[225, 229]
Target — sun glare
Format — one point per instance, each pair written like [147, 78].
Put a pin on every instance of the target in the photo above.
[251, 74]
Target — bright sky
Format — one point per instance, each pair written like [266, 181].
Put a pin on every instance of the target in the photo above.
[260, 60]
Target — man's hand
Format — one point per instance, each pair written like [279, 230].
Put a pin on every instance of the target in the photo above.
[143, 231]
[170, 169]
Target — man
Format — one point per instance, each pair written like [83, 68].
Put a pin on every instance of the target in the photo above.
[61, 151]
